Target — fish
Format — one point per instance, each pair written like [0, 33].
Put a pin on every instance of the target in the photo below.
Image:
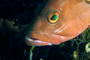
[58, 21]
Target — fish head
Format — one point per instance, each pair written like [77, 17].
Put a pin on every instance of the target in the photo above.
[57, 22]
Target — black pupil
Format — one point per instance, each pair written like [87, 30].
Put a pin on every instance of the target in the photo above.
[54, 17]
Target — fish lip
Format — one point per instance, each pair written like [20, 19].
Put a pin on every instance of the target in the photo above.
[37, 41]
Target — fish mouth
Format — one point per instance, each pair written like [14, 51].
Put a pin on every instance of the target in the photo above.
[35, 38]
[36, 42]
[43, 39]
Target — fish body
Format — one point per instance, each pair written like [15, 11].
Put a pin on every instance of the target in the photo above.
[58, 21]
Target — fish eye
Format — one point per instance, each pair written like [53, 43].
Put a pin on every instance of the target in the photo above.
[53, 17]
[87, 1]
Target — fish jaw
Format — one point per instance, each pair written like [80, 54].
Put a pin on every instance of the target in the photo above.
[36, 42]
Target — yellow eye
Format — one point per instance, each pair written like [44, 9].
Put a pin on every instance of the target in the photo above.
[87, 1]
[54, 17]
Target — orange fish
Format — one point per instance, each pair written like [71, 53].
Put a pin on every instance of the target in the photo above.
[58, 21]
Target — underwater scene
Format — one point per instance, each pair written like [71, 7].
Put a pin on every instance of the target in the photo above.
[44, 29]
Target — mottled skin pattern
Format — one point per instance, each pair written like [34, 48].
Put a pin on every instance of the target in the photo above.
[74, 19]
